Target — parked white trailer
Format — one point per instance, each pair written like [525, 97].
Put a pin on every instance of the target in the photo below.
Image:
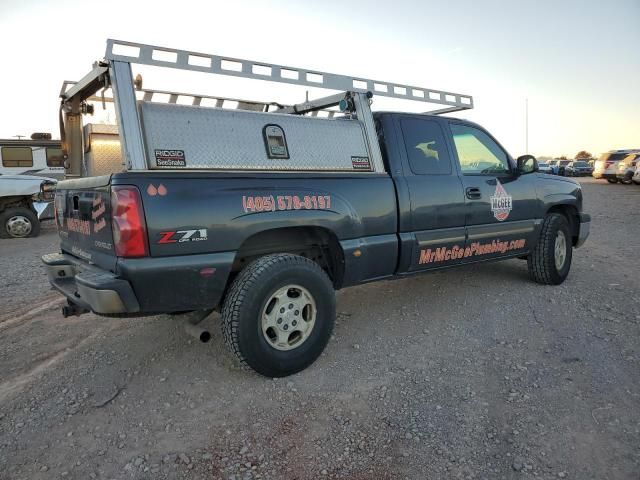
[41, 157]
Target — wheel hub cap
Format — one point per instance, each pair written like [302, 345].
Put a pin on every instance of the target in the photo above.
[288, 317]
[560, 249]
[18, 226]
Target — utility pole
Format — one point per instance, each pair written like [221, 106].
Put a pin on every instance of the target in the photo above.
[526, 125]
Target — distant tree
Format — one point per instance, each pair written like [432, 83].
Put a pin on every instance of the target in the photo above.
[583, 154]
[563, 157]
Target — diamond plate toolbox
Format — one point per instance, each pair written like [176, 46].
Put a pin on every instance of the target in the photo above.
[192, 137]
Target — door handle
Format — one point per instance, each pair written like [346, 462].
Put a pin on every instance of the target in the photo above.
[473, 193]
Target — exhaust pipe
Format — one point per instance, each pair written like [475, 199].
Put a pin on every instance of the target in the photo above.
[198, 332]
[192, 326]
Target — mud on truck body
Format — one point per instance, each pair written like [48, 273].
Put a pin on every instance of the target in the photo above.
[263, 211]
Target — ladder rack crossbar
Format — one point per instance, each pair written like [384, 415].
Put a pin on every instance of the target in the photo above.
[119, 50]
[151, 95]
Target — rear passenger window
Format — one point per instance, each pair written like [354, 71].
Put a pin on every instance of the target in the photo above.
[425, 146]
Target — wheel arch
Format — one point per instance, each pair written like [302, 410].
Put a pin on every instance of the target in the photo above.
[570, 212]
[319, 244]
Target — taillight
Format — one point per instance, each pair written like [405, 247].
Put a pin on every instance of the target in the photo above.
[128, 224]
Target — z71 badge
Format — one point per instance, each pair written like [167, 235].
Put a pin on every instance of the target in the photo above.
[501, 203]
[180, 236]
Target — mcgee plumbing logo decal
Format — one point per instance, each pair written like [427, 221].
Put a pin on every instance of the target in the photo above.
[501, 202]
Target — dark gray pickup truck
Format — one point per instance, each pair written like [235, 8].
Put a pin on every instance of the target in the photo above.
[269, 247]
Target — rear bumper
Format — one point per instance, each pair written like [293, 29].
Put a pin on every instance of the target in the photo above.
[585, 226]
[89, 287]
[142, 286]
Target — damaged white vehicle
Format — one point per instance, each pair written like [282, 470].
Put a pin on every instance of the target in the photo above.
[25, 200]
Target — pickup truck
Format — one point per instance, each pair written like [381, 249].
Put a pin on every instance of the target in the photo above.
[268, 249]
[25, 200]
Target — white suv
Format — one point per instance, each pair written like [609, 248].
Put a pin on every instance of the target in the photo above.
[607, 165]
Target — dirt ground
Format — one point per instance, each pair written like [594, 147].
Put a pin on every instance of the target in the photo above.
[473, 373]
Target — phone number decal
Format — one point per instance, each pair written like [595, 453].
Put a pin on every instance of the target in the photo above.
[270, 203]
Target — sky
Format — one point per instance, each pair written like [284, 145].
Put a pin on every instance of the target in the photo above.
[576, 62]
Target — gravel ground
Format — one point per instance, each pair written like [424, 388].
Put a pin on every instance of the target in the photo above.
[471, 373]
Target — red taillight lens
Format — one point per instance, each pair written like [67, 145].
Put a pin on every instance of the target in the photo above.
[129, 227]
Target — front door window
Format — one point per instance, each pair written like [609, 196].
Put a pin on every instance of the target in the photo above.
[478, 153]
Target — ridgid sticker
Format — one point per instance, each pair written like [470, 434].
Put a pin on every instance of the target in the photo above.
[476, 249]
[501, 203]
[361, 163]
[170, 158]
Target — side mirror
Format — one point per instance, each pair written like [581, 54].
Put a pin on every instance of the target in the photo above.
[527, 164]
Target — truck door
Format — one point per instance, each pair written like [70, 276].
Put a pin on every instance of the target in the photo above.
[501, 206]
[434, 233]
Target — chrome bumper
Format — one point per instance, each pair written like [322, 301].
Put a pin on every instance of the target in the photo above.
[89, 287]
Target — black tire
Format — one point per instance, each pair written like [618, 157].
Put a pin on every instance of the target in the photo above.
[247, 298]
[627, 179]
[11, 213]
[542, 260]
[612, 180]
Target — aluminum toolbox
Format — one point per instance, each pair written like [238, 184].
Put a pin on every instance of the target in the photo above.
[215, 138]
[102, 153]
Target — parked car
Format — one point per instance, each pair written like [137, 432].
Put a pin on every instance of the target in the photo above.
[627, 168]
[578, 168]
[558, 167]
[607, 165]
[544, 167]
[25, 200]
[636, 176]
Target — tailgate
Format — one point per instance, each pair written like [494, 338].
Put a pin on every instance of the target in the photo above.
[83, 218]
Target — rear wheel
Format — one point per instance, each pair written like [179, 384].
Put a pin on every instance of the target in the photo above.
[612, 180]
[627, 179]
[19, 222]
[278, 315]
[550, 261]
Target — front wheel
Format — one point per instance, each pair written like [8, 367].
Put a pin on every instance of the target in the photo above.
[550, 260]
[612, 180]
[626, 180]
[19, 222]
[278, 315]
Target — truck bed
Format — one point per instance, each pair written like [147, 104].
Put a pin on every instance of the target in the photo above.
[201, 220]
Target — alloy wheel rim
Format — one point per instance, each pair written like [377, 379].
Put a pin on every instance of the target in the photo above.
[560, 249]
[288, 317]
[19, 226]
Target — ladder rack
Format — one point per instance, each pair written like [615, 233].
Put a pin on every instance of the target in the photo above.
[131, 52]
[115, 73]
